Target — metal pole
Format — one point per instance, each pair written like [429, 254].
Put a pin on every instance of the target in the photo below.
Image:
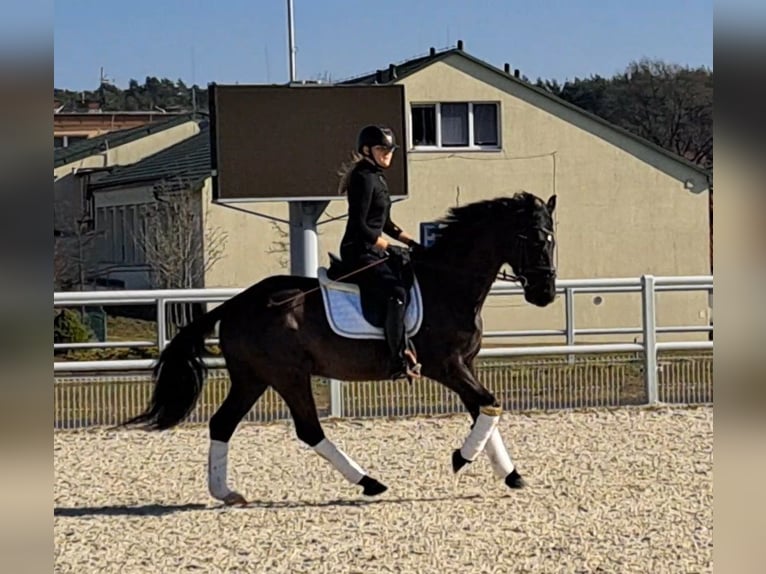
[162, 326]
[649, 324]
[291, 38]
[304, 242]
[570, 318]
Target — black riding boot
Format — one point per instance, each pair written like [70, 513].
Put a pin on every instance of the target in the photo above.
[396, 339]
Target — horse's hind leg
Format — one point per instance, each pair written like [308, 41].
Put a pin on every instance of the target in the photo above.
[244, 392]
[300, 401]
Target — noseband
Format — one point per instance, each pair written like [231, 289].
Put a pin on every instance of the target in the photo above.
[521, 244]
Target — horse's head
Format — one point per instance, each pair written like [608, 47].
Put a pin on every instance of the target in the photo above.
[528, 244]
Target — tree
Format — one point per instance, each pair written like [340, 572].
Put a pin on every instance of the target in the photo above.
[176, 248]
[668, 105]
[281, 245]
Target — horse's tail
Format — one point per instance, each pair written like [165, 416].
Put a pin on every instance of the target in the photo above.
[179, 375]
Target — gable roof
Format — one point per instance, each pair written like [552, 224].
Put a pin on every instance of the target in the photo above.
[91, 146]
[188, 162]
[397, 72]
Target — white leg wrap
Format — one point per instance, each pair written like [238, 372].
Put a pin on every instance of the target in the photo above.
[218, 459]
[340, 460]
[480, 433]
[498, 455]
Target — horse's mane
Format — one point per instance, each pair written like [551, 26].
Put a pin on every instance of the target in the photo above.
[461, 222]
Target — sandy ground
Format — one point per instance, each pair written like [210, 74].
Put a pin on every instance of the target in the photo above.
[626, 490]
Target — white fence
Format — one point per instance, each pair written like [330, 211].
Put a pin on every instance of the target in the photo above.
[648, 346]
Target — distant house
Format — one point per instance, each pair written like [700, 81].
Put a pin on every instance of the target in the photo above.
[79, 165]
[134, 234]
[626, 207]
[70, 128]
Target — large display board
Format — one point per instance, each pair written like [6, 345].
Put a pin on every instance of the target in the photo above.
[287, 143]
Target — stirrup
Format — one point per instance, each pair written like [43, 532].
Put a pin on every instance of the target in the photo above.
[408, 369]
[413, 367]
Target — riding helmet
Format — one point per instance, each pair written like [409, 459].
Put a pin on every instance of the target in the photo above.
[375, 135]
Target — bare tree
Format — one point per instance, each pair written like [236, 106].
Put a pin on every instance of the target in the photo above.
[669, 105]
[281, 245]
[177, 248]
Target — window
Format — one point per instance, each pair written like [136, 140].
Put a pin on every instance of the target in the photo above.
[423, 126]
[450, 125]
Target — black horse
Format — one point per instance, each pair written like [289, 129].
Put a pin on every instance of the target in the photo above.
[266, 342]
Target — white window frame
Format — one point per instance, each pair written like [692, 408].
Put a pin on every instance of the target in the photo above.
[471, 146]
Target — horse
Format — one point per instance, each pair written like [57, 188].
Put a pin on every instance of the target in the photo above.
[266, 343]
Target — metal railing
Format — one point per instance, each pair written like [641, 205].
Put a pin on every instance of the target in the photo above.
[648, 347]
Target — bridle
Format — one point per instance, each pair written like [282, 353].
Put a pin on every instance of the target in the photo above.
[521, 243]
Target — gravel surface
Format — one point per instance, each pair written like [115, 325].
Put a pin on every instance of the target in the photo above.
[626, 490]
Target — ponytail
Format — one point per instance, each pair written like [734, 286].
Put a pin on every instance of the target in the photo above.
[345, 171]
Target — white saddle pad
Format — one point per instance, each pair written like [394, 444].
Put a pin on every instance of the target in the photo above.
[343, 307]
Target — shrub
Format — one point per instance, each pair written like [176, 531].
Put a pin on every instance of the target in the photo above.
[68, 327]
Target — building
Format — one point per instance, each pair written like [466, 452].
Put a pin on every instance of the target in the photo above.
[626, 207]
[77, 167]
[73, 127]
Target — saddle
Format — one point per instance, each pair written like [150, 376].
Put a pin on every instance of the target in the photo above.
[357, 310]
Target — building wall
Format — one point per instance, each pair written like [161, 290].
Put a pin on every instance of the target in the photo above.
[115, 254]
[623, 210]
[256, 247]
[617, 215]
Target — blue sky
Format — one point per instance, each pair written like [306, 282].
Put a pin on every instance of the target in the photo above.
[245, 41]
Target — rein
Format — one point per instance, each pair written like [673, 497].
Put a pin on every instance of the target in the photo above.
[501, 275]
[338, 280]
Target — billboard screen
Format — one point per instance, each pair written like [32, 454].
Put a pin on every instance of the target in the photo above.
[288, 142]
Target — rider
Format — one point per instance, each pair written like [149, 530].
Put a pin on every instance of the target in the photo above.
[363, 244]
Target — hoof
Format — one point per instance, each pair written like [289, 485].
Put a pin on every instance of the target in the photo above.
[371, 486]
[234, 499]
[514, 480]
[458, 461]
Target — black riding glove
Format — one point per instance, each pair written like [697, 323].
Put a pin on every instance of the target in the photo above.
[398, 251]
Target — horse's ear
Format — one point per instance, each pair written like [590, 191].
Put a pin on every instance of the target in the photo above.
[551, 203]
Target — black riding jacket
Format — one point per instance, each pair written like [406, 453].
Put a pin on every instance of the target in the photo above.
[369, 209]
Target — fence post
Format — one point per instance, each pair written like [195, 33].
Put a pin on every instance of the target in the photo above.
[162, 330]
[336, 398]
[649, 326]
[570, 320]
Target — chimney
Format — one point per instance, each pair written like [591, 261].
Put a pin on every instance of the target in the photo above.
[378, 76]
[516, 73]
[392, 71]
[460, 44]
[507, 68]
[432, 51]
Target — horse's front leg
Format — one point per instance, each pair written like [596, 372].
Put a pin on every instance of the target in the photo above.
[501, 462]
[484, 435]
